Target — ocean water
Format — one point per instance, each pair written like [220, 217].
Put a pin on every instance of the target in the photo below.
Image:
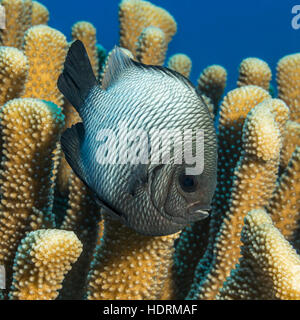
[210, 32]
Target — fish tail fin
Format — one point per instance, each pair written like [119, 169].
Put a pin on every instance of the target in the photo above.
[78, 77]
[71, 141]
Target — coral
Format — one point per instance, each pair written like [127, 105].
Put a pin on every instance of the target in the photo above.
[255, 179]
[136, 15]
[284, 207]
[128, 265]
[152, 46]
[233, 112]
[269, 267]
[288, 81]
[40, 14]
[180, 63]
[18, 20]
[46, 66]
[254, 71]
[30, 129]
[291, 139]
[212, 82]
[86, 32]
[13, 73]
[82, 218]
[42, 260]
[189, 249]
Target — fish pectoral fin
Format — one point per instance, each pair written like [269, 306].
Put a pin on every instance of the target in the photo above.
[138, 178]
[78, 77]
[115, 215]
[71, 141]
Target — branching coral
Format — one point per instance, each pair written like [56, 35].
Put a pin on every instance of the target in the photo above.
[256, 72]
[42, 260]
[212, 82]
[86, 32]
[46, 66]
[255, 178]
[40, 14]
[136, 15]
[18, 20]
[128, 265]
[152, 46]
[180, 63]
[82, 217]
[30, 129]
[269, 267]
[288, 80]
[284, 207]
[291, 139]
[13, 72]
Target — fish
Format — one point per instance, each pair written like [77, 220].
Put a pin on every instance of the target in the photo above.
[124, 117]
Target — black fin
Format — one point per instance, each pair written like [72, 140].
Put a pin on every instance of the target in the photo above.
[71, 141]
[78, 78]
[118, 61]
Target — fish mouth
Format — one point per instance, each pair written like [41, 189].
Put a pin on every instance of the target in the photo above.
[198, 211]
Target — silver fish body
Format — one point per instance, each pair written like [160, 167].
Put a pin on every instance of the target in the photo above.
[152, 198]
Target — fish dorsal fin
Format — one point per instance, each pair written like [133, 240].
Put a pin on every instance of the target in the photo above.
[77, 78]
[117, 63]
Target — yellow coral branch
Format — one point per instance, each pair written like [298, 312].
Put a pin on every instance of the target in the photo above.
[18, 20]
[30, 130]
[255, 179]
[212, 82]
[45, 49]
[13, 73]
[269, 267]
[152, 47]
[82, 217]
[254, 71]
[42, 260]
[288, 81]
[86, 32]
[128, 265]
[284, 207]
[40, 14]
[291, 139]
[181, 63]
[136, 15]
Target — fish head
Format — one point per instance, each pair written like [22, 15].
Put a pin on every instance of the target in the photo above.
[180, 197]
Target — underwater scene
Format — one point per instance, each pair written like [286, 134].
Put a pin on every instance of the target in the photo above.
[150, 150]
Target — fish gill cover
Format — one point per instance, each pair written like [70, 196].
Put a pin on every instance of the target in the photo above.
[55, 242]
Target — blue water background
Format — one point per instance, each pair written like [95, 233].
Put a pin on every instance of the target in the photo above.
[210, 32]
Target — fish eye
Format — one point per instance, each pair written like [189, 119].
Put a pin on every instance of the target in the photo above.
[188, 183]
